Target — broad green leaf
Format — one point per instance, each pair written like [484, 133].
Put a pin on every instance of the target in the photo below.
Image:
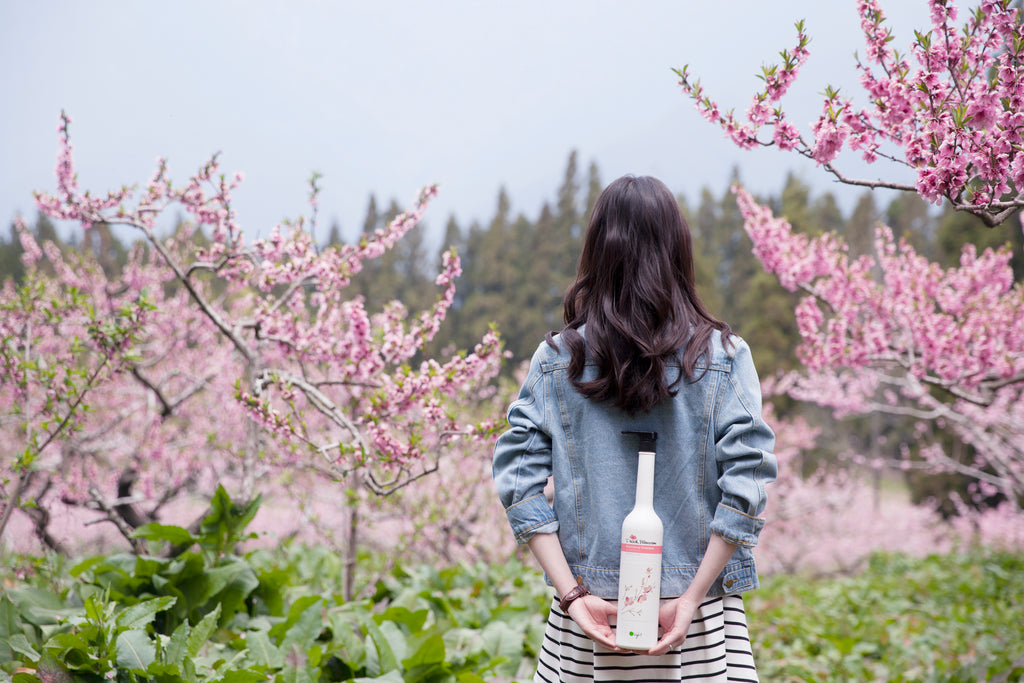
[298, 674]
[141, 614]
[135, 651]
[162, 670]
[503, 641]
[229, 585]
[352, 646]
[93, 609]
[202, 631]
[385, 656]
[430, 651]
[260, 651]
[306, 628]
[397, 639]
[175, 535]
[18, 644]
[37, 606]
[403, 615]
[428, 662]
[177, 646]
[188, 670]
[295, 613]
[86, 565]
[223, 527]
[9, 621]
[243, 676]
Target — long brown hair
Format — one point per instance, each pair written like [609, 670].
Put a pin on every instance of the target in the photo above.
[635, 292]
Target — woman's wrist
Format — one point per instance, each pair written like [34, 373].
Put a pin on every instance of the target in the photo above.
[575, 593]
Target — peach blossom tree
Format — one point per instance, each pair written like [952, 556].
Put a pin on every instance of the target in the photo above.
[892, 332]
[211, 358]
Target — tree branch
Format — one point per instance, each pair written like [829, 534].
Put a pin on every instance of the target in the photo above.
[97, 502]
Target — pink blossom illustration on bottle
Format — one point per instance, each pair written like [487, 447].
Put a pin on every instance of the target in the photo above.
[634, 597]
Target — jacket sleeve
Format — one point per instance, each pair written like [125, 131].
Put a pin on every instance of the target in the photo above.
[743, 450]
[522, 460]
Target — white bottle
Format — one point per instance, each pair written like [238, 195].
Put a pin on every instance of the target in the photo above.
[640, 563]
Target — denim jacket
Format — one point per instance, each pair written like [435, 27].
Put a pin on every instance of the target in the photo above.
[714, 458]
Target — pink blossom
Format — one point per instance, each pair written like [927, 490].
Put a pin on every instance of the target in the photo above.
[871, 345]
[829, 137]
[949, 107]
[31, 251]
[252, 367]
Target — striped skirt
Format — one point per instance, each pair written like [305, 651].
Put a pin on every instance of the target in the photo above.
[717, 649]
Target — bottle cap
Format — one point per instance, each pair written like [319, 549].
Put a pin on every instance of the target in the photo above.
[647, 439]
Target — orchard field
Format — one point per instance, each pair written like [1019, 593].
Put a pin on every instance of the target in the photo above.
[235, 459]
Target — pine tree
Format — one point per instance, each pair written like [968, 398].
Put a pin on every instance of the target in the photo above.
[860, 229]
[334, 235]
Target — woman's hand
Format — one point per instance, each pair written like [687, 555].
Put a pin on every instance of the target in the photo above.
[591, 614]
[675, 617]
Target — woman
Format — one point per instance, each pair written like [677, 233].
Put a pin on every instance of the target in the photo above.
[640, 352]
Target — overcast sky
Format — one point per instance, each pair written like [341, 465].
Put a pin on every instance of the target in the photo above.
[385, 97]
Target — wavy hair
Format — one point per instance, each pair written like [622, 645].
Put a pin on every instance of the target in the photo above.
[635, 293]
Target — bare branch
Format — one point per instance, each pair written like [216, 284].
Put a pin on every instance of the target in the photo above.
[114, 518]
[169, 404]
[320, 401]
[872, 184]
[183, 277]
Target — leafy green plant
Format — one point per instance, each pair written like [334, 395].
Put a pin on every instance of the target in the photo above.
[199, 571]
[201, 612]
[945, 618]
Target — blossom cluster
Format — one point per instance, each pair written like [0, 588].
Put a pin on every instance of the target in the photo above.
[247, 362]
[956, 117]
[806, 513]
[896, 333]
[777, 80]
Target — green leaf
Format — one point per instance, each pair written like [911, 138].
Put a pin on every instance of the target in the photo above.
[261, 652]
[503, 641]
[386, 659]
[9, 621]
[188, 670]
[431, 651]
[243, 676]
[305, 629]
[141, 614]
[18, 644]
[403, 615]
[295, 612]
[224, 526]
[202, 631]
[135, 650]
[175, 535]
[229, 584]
[427, 662]
[296, 675]
[177, 646]
[352, 646]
